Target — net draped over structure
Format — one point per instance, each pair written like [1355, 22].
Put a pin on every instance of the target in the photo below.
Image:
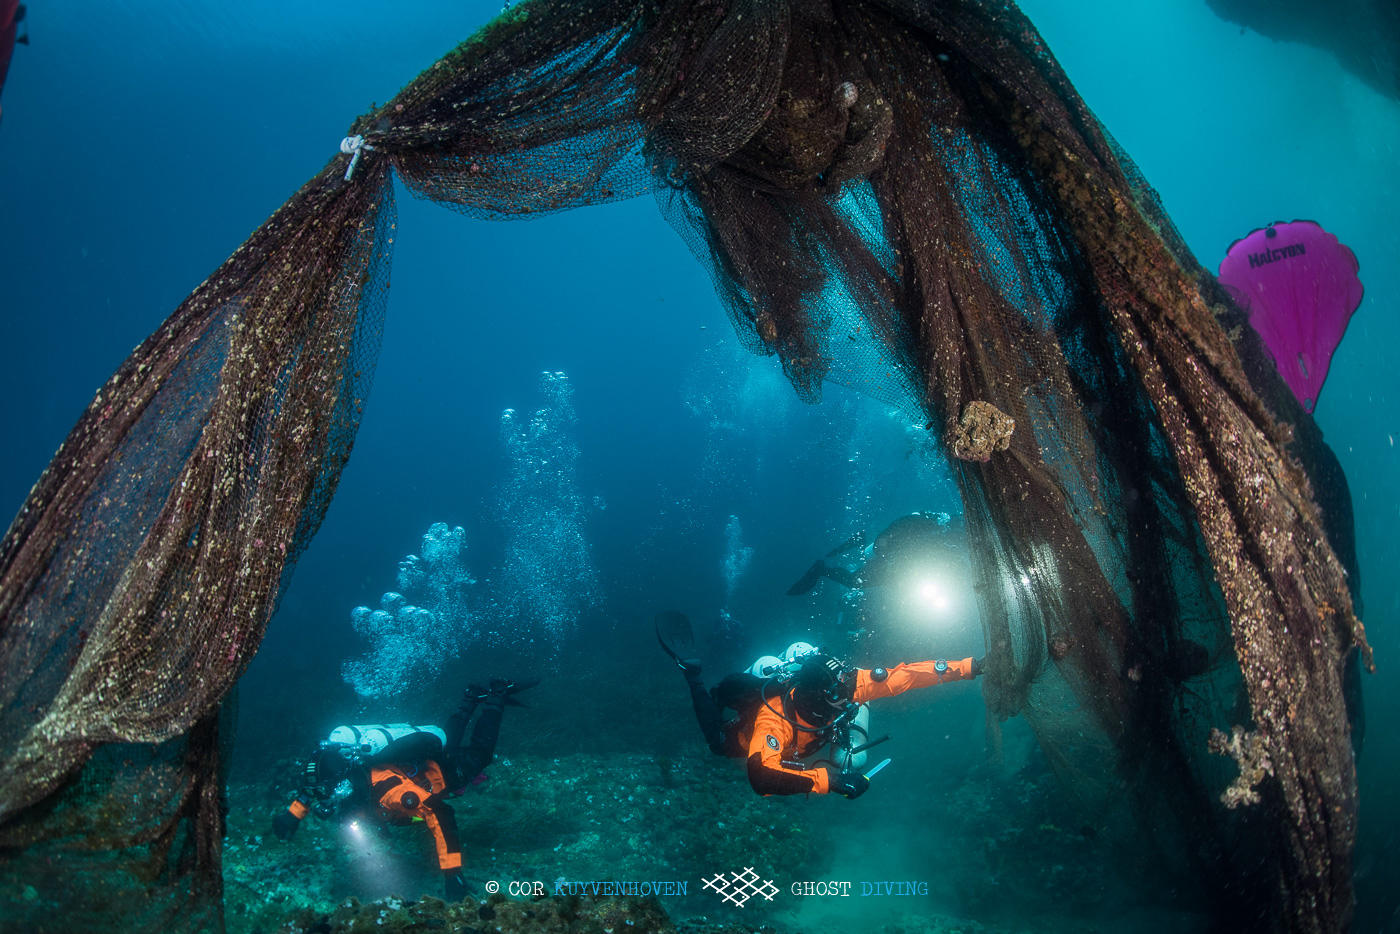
[907, 197]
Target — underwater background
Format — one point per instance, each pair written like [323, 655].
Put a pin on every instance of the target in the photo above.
[141, 142]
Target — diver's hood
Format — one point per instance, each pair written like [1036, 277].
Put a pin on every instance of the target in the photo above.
[821, 689]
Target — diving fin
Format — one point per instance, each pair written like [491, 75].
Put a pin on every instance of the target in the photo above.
[855, 541]
[515, 687]
[808, 581]
[502, 687]
[677, 638]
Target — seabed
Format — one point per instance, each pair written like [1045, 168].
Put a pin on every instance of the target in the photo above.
[585, 818]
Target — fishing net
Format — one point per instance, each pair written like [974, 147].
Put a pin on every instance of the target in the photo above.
[905, 197]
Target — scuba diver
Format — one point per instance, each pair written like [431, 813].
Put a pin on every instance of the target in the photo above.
[729, 639]
[904, 545]
[786, 709]
[399, 774]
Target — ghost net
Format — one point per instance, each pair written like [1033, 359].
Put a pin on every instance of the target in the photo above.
[906, 197]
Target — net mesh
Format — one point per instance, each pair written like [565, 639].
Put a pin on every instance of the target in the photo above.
[908, 198]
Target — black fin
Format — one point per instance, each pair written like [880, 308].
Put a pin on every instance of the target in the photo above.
[504, 688]
[676, 637]
[808, 581]
[855, 541]
[516, 688]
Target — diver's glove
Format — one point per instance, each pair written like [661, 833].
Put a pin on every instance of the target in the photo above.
[978, 666]
[690, 667]
[849, 785]
[285, 825]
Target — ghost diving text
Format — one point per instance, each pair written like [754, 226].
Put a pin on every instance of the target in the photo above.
[843, 889]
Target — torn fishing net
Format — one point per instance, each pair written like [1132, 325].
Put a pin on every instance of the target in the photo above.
[907, 198]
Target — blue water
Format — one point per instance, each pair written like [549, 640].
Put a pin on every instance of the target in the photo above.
[141, 142]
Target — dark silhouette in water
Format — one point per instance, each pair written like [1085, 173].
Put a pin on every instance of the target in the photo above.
[1364, 35]
[406, 775]
[930, 166]
[729, 639]
[901, 549]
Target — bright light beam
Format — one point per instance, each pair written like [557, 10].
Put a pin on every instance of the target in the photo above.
[933, 595]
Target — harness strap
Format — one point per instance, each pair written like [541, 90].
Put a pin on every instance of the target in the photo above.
[384, 784]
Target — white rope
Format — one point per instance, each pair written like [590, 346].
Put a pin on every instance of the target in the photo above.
[354, 147]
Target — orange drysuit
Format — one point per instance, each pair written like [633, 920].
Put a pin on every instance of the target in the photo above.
[774, 739]
[403, 796]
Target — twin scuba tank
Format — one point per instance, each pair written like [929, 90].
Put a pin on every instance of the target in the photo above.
[771, 666]
[328, 774]
[387, 742]
[854, 732]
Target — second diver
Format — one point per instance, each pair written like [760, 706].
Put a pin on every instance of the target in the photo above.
[397, 774]
[786, 710]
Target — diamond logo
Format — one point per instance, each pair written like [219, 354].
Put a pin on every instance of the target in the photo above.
[739, 887]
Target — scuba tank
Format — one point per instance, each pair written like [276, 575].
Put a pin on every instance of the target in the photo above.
[337, 774]
[854, 734]
[765, 666]
[798, 651]
[745, 690]
[386, 742]
[771, 666]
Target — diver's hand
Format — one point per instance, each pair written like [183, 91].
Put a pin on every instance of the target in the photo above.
[285, 825]
[978, 666]
[849, 785]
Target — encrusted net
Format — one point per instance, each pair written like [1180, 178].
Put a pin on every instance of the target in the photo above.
[139, 577]
[905, 197]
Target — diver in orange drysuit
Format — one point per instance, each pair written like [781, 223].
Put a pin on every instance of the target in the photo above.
[408, 780]
[804, 717]
[786, 712]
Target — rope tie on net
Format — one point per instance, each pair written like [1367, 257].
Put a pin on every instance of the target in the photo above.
[354, 147]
